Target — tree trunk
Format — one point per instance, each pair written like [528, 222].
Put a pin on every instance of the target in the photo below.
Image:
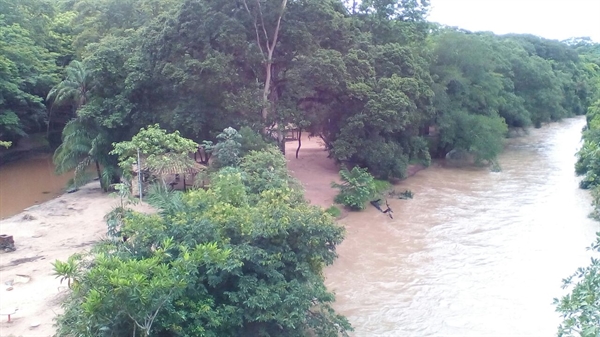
[267, 52]
[299, 141]
[282, 145]
[100, 176]
[267, 88]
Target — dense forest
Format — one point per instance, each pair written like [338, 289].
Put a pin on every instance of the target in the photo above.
[377, 82]
[374, 79]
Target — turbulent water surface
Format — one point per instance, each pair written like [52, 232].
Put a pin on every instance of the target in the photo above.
[475, 253]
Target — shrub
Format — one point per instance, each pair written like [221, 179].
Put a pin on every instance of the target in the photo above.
[384, 159]
[357, 187]
[334, 211]
[251, 141]
[264, 170]
[227, 152]
[210, 262]
[381, 186]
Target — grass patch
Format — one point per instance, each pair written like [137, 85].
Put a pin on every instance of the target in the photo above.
[80, 180]
[381, 186]
[334, 211]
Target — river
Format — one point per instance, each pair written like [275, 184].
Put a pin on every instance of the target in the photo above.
[475, 253]
[28, 182]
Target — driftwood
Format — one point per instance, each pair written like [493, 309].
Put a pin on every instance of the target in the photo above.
[375, 204]
[388, 211]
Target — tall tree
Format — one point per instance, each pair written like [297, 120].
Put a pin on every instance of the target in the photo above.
[266, 40]
[83, 144]
[74, 90]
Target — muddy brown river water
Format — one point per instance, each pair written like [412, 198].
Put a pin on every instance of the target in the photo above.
[28, 182]
[475, 253]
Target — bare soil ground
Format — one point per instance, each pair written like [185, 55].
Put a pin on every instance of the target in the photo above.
[53, 230]
[313, 169]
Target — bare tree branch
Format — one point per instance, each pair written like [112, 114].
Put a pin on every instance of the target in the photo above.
[262, 22]
[262, 52]
[276, 34]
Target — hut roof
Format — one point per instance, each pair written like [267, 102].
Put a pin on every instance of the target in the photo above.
[170, 164]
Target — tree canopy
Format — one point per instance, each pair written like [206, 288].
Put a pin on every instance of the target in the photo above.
[241, 258]
[371, 79]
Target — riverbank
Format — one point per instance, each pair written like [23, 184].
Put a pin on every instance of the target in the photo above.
[44, 233]
[316, 171]
[72, 223]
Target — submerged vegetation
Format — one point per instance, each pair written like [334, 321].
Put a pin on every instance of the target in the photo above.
[357, 187]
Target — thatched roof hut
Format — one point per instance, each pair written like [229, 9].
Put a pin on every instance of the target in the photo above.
[169, 164]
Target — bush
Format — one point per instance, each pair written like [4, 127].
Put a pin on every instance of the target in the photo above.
[580, 309]
[210, 263]
[384, 159]
[357, 187]
[381, 186]
[334, 211]
[265, 170]
[251, 141]
[227, 152]
[480, 135]
[419, 150]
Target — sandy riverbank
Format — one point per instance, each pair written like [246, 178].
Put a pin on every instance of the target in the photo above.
[53, 230]
[71, 223]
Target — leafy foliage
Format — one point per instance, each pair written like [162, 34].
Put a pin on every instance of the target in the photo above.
[265, 170]
[251, 141]
[580, 309]
[157, 148]
[477, 134]
[357, 187]
[228, 150]
[28, 66]
[371, 80]
[484, 83]
[83, 145]
[212, 263]
[75, 89]
[67, 270]
[588, 157]
[333, 211]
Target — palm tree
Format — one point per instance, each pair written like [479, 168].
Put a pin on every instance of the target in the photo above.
[84, 144]
[83, 141]
[74, 89]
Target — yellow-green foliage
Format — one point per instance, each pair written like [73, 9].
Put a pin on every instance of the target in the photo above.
[357, 187]
[157, 147]
[224, 261]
